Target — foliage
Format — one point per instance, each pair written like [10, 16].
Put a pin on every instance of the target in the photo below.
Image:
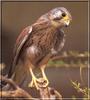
[84, 90]
[70, 59]
[74, 59]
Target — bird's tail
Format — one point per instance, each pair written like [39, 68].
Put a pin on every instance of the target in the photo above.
[21, 75]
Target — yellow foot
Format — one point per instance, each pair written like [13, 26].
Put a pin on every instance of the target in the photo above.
[38, 83]
[34, 83]
[45, 82]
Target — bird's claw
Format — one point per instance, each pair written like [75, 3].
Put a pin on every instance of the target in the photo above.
[42, 83]
[34, 83]
[39, 83]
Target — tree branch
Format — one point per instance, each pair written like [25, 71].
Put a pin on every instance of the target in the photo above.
[17, 92]
[48, 92]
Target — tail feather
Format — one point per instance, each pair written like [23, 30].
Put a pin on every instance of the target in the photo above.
[21, 75]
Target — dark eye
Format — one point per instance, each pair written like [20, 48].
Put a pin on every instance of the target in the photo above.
[63, 14]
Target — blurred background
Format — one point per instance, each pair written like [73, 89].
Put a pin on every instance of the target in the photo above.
[18, 15]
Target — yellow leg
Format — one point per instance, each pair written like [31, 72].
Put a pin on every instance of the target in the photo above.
[34, 80]
[44, 75]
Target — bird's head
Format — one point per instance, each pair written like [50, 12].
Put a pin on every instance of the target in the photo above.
[59, 17]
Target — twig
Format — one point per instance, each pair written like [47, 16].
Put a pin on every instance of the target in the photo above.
[69, 58]
[16, 93]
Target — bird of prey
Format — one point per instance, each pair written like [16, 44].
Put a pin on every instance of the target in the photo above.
[37, 43]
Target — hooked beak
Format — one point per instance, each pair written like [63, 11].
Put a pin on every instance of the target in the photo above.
[67, 20]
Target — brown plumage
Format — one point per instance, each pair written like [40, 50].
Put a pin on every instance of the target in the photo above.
[37, 43]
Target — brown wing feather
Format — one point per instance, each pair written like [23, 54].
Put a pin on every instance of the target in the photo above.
[18, 46]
